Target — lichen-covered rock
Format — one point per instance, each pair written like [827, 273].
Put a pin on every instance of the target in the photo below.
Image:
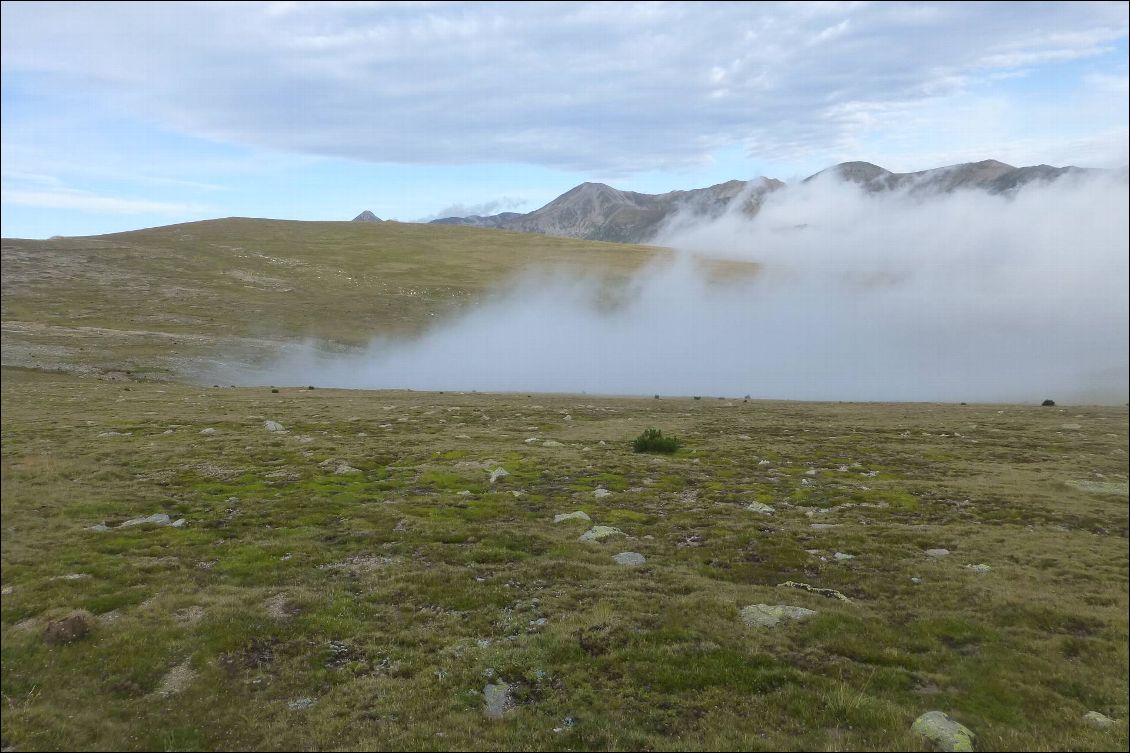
[496, 700]
[770, 615]
[1100, 721]
[982, 568]
[601, 492]
[937, 552]
[600, 533]
[630, 559]
[498, 473]
[273, 426]
[578, 515]
[943, 732]
[760, 507]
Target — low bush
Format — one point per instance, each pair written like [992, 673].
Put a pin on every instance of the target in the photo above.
[653, 440]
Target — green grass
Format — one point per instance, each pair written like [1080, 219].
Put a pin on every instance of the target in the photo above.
[388, 597]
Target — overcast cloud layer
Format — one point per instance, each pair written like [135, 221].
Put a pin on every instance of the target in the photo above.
[963, 297]
[601, 88]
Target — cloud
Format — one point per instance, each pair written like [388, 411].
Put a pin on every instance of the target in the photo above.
[88, 202]
[961, 297]
[487, 208]
[600, 88]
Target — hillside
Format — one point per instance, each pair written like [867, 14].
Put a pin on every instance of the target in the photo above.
[157, 301]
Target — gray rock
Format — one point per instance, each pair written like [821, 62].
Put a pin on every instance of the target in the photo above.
[300, 704]
[843, 557]
[209, 430]
[498, 473]
[978, 568]
[157, 519]
[937, 552]
[273, 426]
[770, 615]
[551, 443]
[601, 493]
[630, 559]
[600, 533]
[346, 470]
[578, 515]
[943, 732]
[1097, 720]
[73, 627]
[760, 508]
[496, 699]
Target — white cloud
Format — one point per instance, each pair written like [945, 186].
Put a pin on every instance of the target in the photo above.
[602, 88]
[87, 202]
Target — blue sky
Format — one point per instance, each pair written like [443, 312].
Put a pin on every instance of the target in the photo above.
[121, 116]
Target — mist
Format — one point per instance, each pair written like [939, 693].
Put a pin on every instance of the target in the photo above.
[863, 297]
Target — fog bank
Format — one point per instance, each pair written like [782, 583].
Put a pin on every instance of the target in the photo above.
[890, 297]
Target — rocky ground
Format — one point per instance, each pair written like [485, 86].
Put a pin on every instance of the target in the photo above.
[205, 568]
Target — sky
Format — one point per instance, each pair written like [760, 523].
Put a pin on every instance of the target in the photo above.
[121, 116]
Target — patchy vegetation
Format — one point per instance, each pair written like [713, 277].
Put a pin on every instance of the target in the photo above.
[352, 579]
[652, 440]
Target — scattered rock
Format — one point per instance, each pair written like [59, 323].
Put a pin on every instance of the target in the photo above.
[600, 533]
[578, 515]
[945, 733]
[73, 627]
[156, 519]
[177, 679]
[273, 426]
[823, 526]
[359, 563]
[1097, 720]
[831, 593]
[532, 440]
[346, 470]
[498, 473]
[760, 507]
[978, 568]
[1071, 427]
[116, 434]
[937, 552]
[496, 699]
[769, 615]
[551, 443]
[209, 430]
[600, 492]
[630, 559]
[300, 704]
[73, 576]
[843, 557]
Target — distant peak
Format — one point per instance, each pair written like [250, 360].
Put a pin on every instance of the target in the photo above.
[367, 216]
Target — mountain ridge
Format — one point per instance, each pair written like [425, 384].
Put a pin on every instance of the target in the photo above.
[597, 211]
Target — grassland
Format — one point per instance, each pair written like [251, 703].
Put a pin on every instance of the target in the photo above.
[302, 609]
[299, 607]
[154, 303]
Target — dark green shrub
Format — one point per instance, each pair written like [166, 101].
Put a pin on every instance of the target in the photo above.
[1048, 403]
[653, 440]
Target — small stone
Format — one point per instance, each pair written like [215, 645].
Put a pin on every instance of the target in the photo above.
[945, 733]
[551, 443]
[601, 493]
[273, 426]
[630, 559]
[157, 519]
[346, 470]
[982, 568]
[497, 700]
[769, 615]
[209, 430]
[498, 473]
[843, 557]
[760, 507]
[73, 627]
[937, 552]
[1097, 720]
[578, 515]
[531, 440]
[464, 493]
[300, 704]
[600, 533]
[915, 580]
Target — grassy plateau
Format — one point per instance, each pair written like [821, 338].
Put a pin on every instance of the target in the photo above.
[363, 577]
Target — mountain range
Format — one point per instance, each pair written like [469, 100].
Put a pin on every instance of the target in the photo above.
[595, 211]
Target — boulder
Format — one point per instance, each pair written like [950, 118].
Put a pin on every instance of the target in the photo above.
[943, 732]
[770, 615]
